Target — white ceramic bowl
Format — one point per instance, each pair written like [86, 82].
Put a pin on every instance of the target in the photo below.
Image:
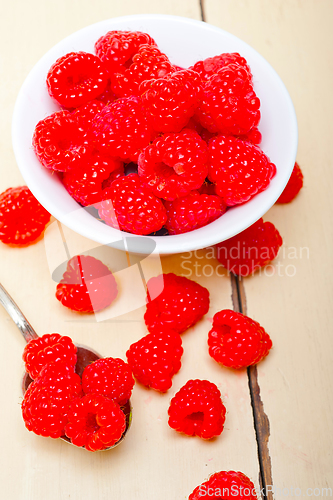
[185, 41]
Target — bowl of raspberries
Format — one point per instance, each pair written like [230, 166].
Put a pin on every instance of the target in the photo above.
[155, 128]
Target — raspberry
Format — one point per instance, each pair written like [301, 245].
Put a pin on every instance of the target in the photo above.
[237, 341]
[210, 66]
[111, 377]
[197, 410]
[47, 400]
[121, 129]
[229, 104]
[254, 136]
[87, 185]
[155, 359]
[131, 206]
[108, 96]
[95, 422]
[87, 285]
[180, 304]
[148, 63]
[239, 169]
[84, 115]
[59, 143]
[118, 48]
[171, 101]
[251, 249]
[49, 348]
[293, 187]
[174, 164]
[22, 217]
[76, 78]
[193, 211]
[226, 485]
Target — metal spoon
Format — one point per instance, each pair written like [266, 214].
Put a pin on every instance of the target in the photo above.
[85, 355]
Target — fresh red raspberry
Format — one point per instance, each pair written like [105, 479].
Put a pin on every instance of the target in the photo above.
[84, 115]
[174, 303]
[47, 400]
[76, 78]
[88, 184]
[226, 485]
[293, 187]
[87, 285]
[95, 422]
[229, 104]
[210, 66]
[174, 164]
[148, 63]
[121, 129]
[50, 348]
[155, 359]
[197, 410]
[22, 217]
[130, 206]
[118, 48]
[254, 136]
[239, 169]
[111, 377]
[193, 211]
[171, 101]
[108, 96]
[251, 249]
[59, 143]
[237, 341]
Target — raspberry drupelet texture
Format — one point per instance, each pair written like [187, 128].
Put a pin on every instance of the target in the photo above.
[95, 422]
[229, 104]
[293, 187]
[22, 217]
[237, 341]
[239, 169]
[121, 129]
[84, 115]
[174, 164]
[111, 377]
[108, 96]
[226, 485]
[47, 400]
[76, 78]
[210, 66]
[170, 102]
[148, 64]
[155, 359]
[59, 143]
[248, 251]
[197, 410]
[50, 348]
[131, 206]
[174, 303]
[193, 211]
[118, 48]
[87, 285]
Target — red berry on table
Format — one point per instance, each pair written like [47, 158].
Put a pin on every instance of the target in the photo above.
[192, 212]
[237, 341]
[174, 164]
[76, 78]
[170, 102]
[111, 377]
[22, 217]
[131, 206]
[87, 285]
[239, 169]
[59, 143]
[210, 66]
[248, 251]
[47, 400]
[174, 303]
[226, 485]
[155, 359]
[95, 422]
[197, 410]
[50, 348]
[293, 187]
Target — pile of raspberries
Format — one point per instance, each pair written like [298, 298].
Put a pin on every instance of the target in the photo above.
[151, 145]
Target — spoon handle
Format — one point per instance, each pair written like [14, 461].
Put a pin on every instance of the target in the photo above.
[17, 316]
